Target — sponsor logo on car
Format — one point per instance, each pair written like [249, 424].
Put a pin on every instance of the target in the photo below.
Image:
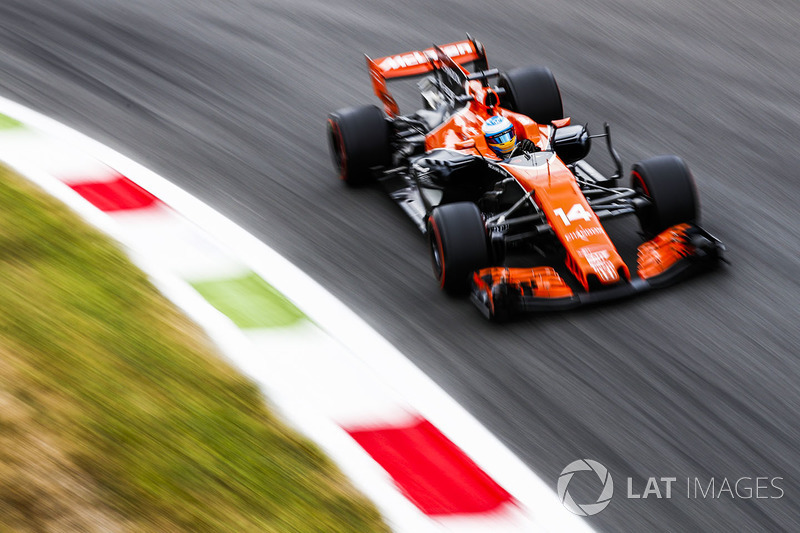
[583, 234]
[412, 59]
[598, 259]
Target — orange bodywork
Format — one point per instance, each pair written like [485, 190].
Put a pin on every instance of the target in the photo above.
[467, 123]
[541, 282]
[656, 256]
[590, 251]
[537, 282]
[380, 89]
[591, 256]
[420, 62]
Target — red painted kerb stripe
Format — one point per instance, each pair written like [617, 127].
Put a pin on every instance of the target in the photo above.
[435, 474]
[118, 194]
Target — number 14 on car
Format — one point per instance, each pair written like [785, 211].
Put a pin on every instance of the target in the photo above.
[576, 212]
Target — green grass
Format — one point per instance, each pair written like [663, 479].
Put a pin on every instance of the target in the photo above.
[249, 301]
[117, 415]
[8, 122]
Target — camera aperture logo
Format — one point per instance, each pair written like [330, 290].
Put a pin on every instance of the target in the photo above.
[585, 509]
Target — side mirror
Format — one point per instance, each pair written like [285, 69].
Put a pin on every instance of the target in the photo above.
[562, 122]
[572, 143]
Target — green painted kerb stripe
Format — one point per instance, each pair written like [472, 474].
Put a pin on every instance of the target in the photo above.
[249, 301]
[6, 123]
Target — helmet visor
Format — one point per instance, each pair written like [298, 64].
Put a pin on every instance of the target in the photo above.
[501, 138]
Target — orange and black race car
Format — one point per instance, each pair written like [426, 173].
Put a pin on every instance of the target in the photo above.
[519, 230]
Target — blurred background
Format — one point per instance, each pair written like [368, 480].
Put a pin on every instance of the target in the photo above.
[229, 100]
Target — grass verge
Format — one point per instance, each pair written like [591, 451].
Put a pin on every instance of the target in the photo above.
[115, 412]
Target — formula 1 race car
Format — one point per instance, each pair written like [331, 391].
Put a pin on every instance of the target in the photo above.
[542, 201]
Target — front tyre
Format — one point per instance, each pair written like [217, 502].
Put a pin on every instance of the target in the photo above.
[458, 244]
[358, 139]
[669, 184]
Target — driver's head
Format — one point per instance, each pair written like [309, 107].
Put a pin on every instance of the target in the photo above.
[499, 133]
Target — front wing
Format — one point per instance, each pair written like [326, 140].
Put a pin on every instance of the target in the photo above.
[675, 254]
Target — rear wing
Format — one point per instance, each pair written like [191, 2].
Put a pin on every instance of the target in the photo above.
[420, 62]
[417, 63]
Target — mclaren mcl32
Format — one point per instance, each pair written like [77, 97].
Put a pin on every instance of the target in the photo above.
[523, 232]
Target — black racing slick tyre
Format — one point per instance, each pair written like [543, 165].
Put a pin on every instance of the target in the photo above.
[358, 139]
[532, 91]
[668, 183]
[458, 244]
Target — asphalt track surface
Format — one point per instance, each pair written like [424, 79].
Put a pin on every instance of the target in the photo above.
[229, 98]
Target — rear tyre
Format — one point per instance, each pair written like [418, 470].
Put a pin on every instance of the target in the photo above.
[669, 184]
[358, 139]
[458, 244]
[532, 91]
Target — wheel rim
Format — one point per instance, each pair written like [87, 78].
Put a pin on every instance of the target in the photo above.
[639, 185]
[337, 149]
[437, 254]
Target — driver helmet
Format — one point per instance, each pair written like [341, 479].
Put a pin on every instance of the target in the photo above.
[500, 136]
